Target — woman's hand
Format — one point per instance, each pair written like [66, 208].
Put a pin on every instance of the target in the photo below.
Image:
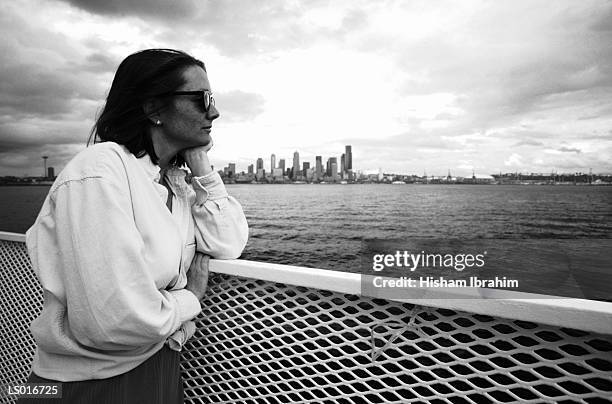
[197, 159]
[197, 276]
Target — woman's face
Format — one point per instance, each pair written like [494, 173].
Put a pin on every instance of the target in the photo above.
[185, 123]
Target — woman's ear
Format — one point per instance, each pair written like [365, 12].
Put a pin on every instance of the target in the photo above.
[151, 109]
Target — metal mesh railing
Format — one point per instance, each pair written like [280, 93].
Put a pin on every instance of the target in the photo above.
[260, 341]
[21, 300]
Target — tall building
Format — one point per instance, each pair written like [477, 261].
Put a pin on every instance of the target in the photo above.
[259, 163]
[305, 167]
[332, 167]
[250, 168]
[348, 156]
[318, 168]
[296, 164]
[260, 174]
[232, 169]
[281, 164]
[277, 174]
[342, 165]
[272, 162]
[50, 172]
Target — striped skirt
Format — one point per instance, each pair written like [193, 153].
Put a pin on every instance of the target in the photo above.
[157, 380]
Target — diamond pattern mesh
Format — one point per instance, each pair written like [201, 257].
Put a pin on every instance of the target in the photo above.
[21, 300]
[264, 342]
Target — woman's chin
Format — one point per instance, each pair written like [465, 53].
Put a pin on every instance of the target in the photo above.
[201, 140]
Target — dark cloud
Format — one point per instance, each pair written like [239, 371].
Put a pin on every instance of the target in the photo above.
[175, 9]
[569, 150]
[234, 27]
[602, 19]
[588, 117]
[595, 135]
[528, 142]
[547, 58]
[43, 75]
[34, 90]
[98, 62]
[28, 160]
[36, 133]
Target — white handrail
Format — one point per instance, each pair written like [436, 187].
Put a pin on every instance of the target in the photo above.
[582, 314]
[7, 236]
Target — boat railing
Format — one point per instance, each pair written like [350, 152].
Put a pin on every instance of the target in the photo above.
[273, 333]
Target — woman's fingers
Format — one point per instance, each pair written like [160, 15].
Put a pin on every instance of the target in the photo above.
[197, 277]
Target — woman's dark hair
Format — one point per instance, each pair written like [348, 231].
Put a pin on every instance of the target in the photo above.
[140, 77]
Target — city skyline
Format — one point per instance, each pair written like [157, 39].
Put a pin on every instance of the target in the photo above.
[259, 163]
[331, 169]
[427, 86]
[50, 171]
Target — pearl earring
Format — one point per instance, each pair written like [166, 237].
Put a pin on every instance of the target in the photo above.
[158, 123]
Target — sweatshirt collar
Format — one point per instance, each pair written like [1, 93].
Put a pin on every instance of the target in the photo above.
[151, 170]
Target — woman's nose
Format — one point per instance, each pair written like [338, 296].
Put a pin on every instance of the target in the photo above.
[212, 113]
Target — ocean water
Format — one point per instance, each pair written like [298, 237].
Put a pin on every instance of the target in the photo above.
[19, 206]
[324, 226]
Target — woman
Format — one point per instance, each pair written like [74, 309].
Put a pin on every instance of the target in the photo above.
[121, 249]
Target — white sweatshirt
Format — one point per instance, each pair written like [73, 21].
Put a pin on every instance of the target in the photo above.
[112, 260]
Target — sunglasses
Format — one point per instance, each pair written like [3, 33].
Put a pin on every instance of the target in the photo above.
[206, 97]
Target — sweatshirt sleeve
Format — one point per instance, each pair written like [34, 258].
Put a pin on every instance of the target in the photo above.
[112, 300]
[221, 228]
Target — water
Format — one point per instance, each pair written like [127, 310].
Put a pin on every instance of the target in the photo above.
[323, 226]
[19, 206]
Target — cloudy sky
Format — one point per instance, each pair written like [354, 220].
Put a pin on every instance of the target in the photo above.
[487, 86]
